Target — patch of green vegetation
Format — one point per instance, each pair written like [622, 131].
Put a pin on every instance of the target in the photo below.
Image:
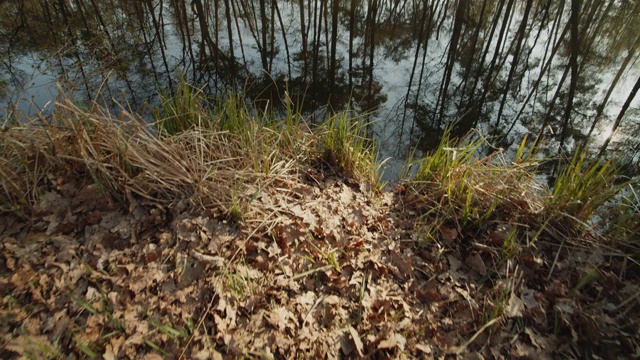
[583, 186]
[344, 145]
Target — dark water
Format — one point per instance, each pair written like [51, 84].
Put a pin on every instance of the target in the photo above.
[566, 69]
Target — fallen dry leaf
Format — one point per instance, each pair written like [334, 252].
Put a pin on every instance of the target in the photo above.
[475, 262]
[425, 348]
[356, 340]
[394, 340]
[279, 317]
[514, 306]
[449, 235]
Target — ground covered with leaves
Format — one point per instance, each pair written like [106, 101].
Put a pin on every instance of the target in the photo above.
[107, 258]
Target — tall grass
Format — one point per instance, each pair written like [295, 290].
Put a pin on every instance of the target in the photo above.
[221, 156]
[458, 188]
[582, 187]
[623, 219]
[466, 188]
[343, 145]
[223, 153]
[185, 109]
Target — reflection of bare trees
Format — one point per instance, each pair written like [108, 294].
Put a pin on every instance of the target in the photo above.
[574, 49]
[516, 57]
[620, 116]
[458, 21]
[208, 48]
[631, 53]
[498, 63]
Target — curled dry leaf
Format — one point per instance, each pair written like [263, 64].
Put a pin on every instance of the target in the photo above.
[425, 348]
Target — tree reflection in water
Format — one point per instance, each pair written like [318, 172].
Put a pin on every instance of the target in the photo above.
[564, 69]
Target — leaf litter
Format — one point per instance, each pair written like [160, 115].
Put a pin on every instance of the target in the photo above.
[317, 268]
[337, 276]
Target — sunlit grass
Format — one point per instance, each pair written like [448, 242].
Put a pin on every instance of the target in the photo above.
[460, 185]
[583, 186]
[464, 196]
[344, 145]
[221, 156]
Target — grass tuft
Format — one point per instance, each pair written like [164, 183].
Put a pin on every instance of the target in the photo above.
[222, 156]
[582, 187]
[182, 111]
[344, 146]
[455, 185]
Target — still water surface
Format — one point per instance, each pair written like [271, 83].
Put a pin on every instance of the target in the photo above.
[565, 69]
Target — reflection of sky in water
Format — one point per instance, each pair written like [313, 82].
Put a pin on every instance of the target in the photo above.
[37, 88]
[31, 90]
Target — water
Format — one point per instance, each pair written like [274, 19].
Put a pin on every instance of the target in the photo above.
[506, 68]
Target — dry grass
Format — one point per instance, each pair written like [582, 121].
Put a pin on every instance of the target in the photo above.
[121, 156]
[469, 238]
[222, 160]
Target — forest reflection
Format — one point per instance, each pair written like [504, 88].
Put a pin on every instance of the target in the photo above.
[564, 69]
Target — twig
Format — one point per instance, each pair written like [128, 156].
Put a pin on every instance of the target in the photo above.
[555, 260]
[304, 322]
[458, 350]
[309, 272]
[186, 346]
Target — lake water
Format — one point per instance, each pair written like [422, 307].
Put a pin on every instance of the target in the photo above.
[565, 69]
